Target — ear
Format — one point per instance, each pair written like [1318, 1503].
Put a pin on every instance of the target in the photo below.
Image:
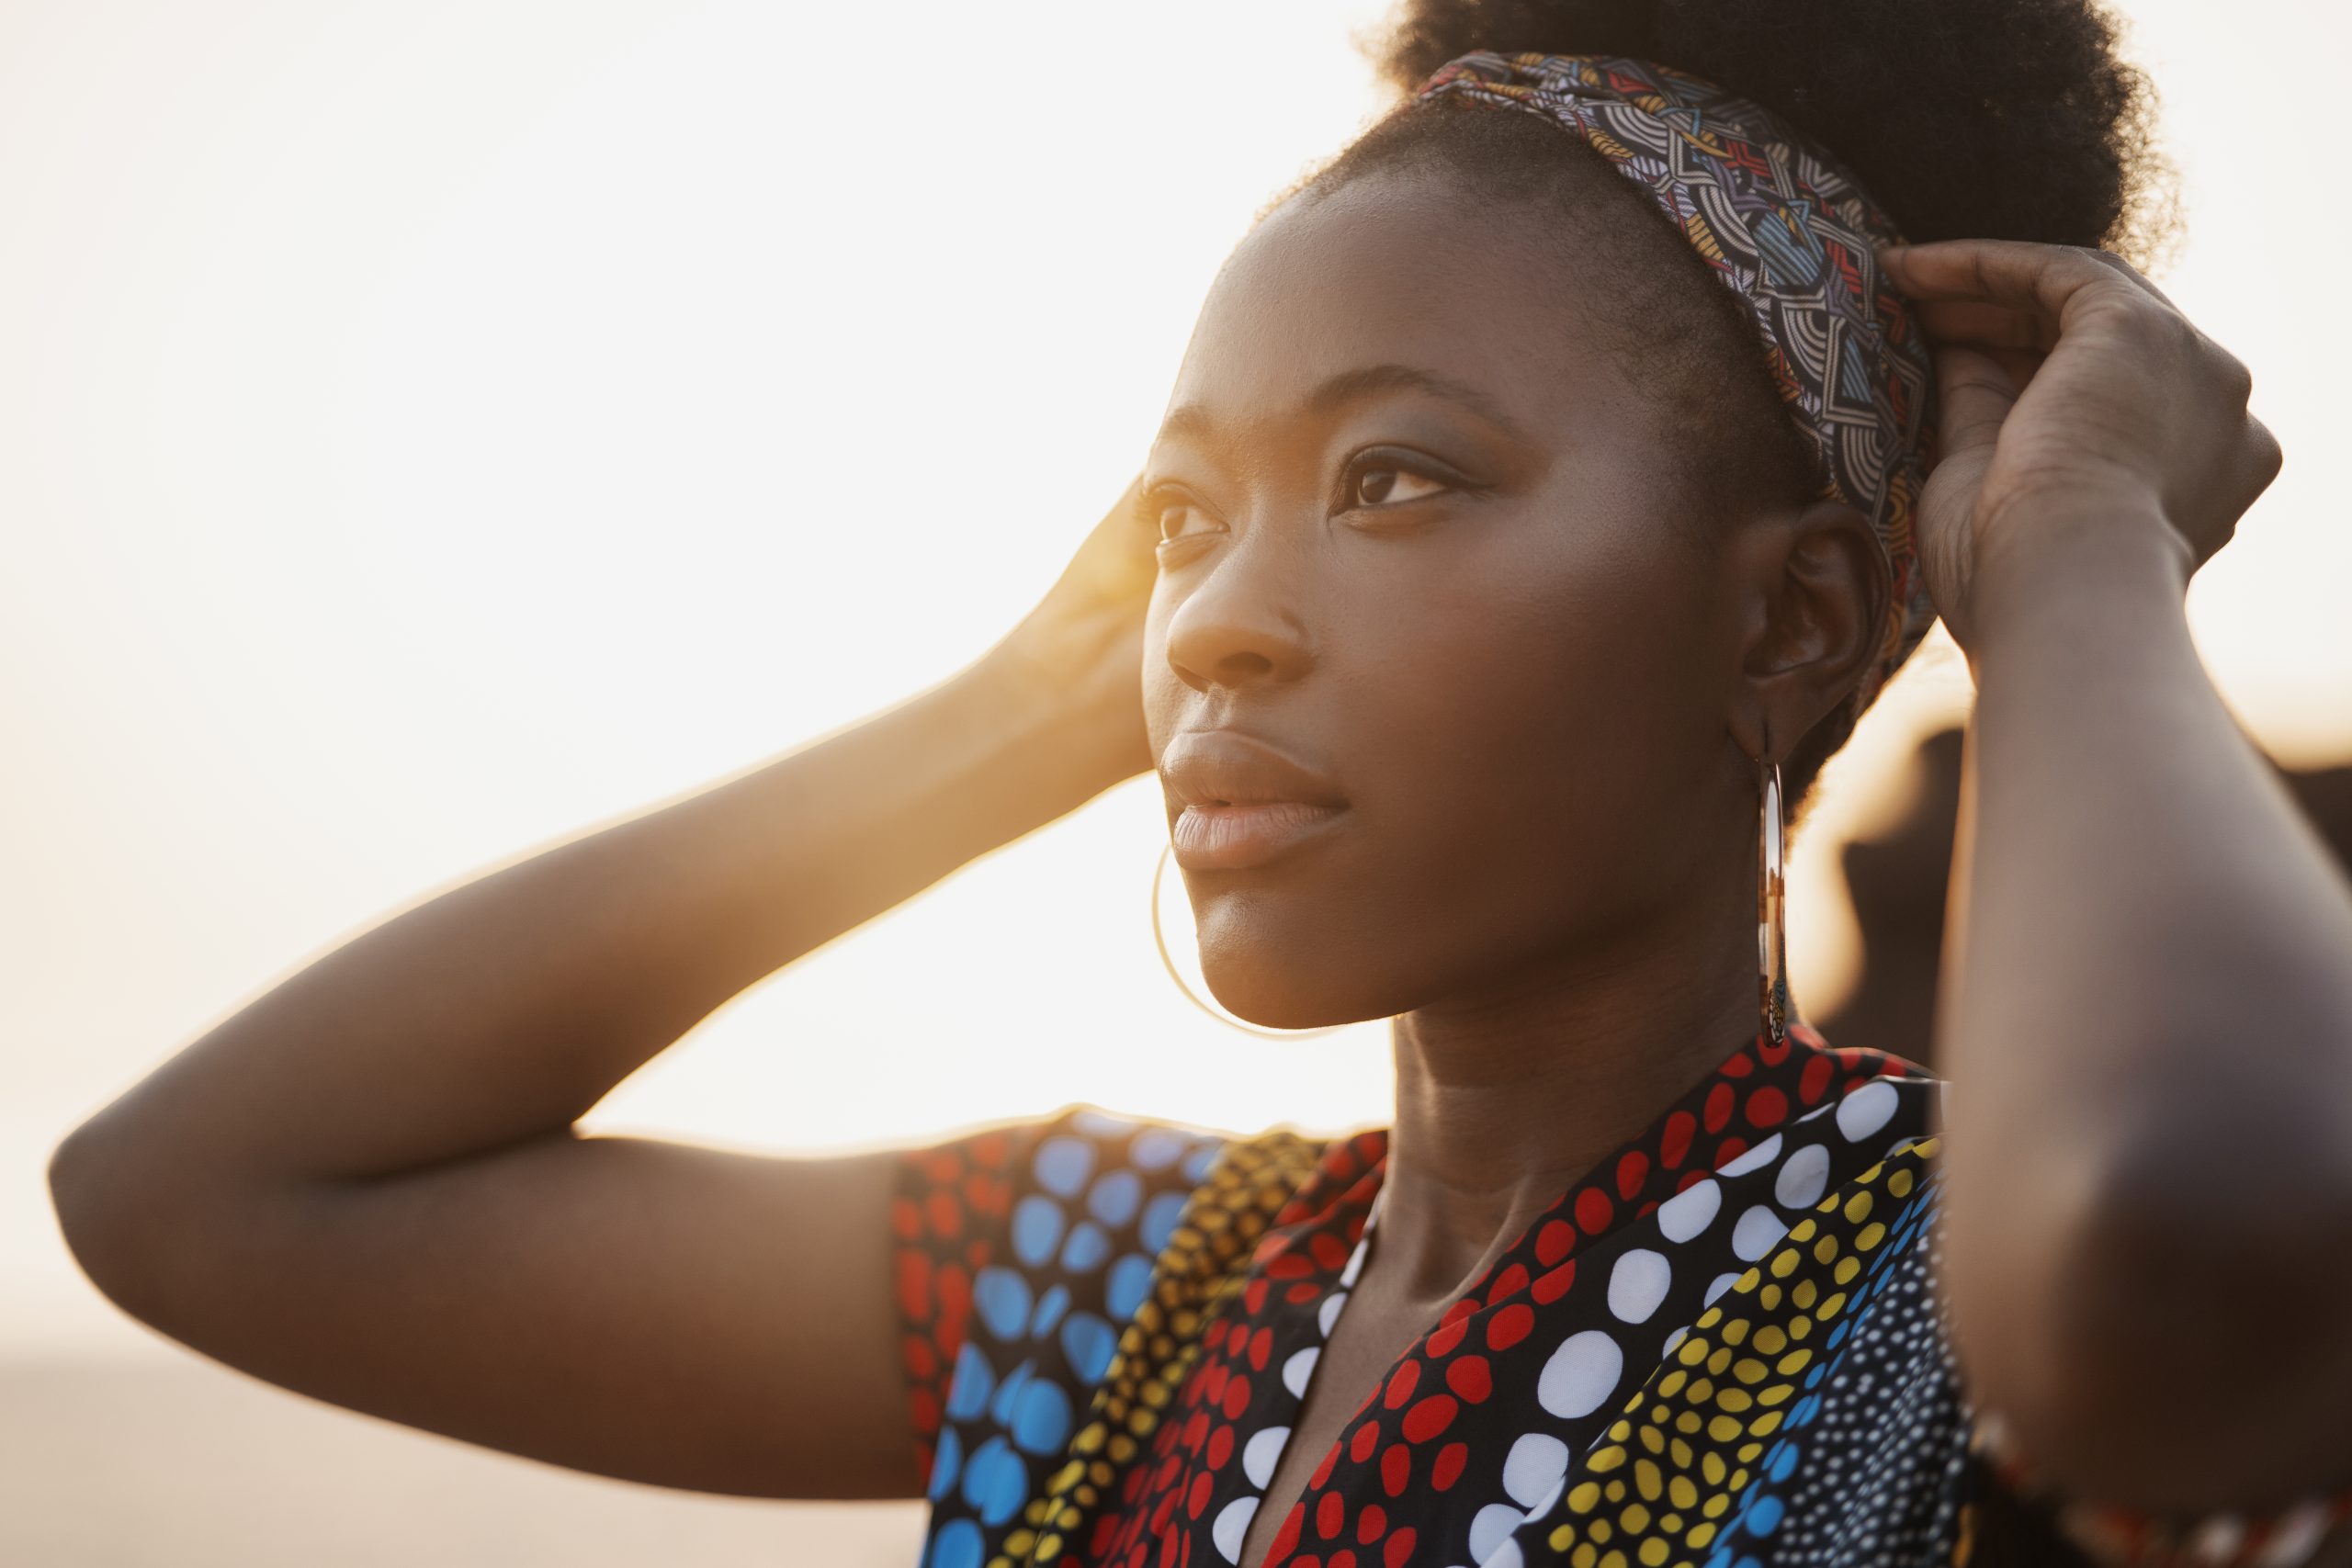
[1814, 585]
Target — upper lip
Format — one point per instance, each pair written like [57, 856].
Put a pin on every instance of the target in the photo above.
[1226, 767]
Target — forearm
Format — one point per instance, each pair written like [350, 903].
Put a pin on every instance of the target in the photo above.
[506, 1007]
[2148, 1023]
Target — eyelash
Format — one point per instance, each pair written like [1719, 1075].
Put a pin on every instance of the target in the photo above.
[1155, 504]
[1382, 461]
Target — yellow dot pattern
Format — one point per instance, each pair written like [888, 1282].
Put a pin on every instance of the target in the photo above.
[1660, 1485]
[1206, 1260]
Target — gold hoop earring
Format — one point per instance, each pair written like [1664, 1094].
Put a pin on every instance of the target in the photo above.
[1158, 873]
[1771, 904]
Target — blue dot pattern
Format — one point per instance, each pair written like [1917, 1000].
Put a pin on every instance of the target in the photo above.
[1865, 1455]
[1096, 1197]
[1871, 1465]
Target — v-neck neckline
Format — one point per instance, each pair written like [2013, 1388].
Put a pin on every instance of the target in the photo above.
[1302, 1281]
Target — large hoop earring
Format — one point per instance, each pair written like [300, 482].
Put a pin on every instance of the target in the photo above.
[1771, 904]
[1158, 873]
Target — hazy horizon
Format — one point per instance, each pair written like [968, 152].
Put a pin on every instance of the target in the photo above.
[438, 427]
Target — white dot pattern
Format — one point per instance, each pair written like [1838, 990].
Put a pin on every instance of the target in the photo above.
[1885, 1454]
[1638, 1283]
[1690, 1210]
[1823, 1388]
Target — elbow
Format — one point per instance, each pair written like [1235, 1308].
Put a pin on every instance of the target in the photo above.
[2176, 1338]
[109, 1208]
[85, 1180]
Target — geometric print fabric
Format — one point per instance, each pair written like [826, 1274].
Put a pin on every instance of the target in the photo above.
[1723, 1348]
[1478, 1422]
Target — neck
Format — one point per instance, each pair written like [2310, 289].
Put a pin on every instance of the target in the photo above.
[1505, 1100]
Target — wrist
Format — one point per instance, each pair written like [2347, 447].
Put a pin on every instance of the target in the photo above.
[1082, 734]
[2072, 560]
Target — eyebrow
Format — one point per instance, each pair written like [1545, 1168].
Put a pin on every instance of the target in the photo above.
[1336, 392]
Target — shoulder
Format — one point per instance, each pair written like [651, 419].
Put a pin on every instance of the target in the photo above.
[1028, 1253]
[991, 1222]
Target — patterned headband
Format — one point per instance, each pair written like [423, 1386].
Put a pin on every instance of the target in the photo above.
[1791, 232]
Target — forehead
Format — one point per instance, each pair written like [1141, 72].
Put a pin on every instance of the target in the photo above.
[1396, 269]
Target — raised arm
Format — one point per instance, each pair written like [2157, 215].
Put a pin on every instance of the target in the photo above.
[368, 1185]
[2148, 1001]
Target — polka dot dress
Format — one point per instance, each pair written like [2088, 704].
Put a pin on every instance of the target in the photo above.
[1723, 1347]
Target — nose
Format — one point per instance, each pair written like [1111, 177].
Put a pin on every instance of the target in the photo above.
[1239, 623]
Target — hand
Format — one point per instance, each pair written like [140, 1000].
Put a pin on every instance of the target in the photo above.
[1080, 651]
[2073, 391]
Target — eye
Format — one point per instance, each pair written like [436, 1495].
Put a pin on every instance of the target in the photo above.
[1178, 515]
[1383, 479]
[1179, 520]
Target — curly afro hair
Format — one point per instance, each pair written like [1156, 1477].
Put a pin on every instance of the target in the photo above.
[1967, 119]
[2010, 119]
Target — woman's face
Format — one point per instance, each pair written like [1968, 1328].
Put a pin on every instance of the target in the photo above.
[1437, 667]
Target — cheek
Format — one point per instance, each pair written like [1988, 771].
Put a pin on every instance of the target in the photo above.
[1555, 641]
[1520, 714]
[1542, 703]
[1164, 693]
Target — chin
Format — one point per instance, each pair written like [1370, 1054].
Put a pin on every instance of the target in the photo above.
[1271, 1009]
[1263, 979]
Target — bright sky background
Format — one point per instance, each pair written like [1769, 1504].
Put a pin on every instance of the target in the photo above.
[430, 427]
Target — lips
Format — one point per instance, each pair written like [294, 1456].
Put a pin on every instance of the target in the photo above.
[1244, 801]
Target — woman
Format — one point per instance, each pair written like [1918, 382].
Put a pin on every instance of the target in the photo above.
[1549, 480]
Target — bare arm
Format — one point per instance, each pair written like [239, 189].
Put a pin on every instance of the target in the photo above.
[368, 1185]
[2148, 1014]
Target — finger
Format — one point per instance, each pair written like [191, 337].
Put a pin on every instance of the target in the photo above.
[2234, 487]
[2020, 363]
[1985, 325]
[2019, 273]
[2259, 462]
[2114, 263]
[1976, 393]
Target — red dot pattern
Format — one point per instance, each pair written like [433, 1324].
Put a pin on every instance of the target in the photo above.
[950, 1201]
[1385, 1492]
[1198, 1447]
